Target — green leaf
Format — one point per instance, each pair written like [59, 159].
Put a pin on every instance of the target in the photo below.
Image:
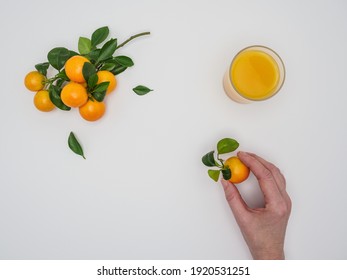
[124, 60]
[119, 69]
[94, 55]
[57, 57]
[84, 45]
[42, 68]
[92, 81]
[214, 174]
[75, 145]
[99, 92]
[109, 66]
[99, 96]
[227, 145]
[208, 159]
[54, 95]
[141, 90]
[99, 36]
[101, 87]
[59, 83]
[88, 70]
[107, 50]
[73, 53]
[226, 172]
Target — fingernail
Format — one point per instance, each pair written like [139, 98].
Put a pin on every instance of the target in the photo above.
[224, 183]
[242, 153]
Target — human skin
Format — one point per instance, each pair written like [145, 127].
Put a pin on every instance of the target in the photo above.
[262, 228]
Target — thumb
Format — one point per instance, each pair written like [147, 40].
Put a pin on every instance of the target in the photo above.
[236, 203]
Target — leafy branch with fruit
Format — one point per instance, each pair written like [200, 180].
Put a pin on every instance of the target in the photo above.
[83, 78]
[232, 169]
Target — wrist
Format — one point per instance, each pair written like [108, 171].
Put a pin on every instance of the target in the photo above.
[268, 255]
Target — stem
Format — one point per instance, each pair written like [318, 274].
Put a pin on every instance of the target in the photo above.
[49, 82]
[221, 161]
[53, 79]
[131, 38]
[98, 66]
[218, 165]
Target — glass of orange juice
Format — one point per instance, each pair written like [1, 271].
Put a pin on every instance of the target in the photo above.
[256, 73]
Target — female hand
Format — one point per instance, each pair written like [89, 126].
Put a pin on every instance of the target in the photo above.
[262, 228]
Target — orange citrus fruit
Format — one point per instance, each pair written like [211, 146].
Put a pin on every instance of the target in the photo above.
[74, 95]
[107, 76]
[42, 101]
[239, 171]
[92, 110]
[73, 68]
[34, 81]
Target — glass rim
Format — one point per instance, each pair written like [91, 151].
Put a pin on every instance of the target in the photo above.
[263, 47]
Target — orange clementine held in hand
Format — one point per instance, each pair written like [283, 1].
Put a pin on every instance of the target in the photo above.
[42, 101]
[34, 81]
[73, 68]
[74, 95]
[92, 110]
[239, 171]
[107, 76]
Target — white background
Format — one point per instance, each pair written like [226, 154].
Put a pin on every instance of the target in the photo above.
[142, 192]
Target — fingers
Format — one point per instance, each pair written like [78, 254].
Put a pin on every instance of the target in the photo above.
[236, 203]
[278, 176]
[266, 179]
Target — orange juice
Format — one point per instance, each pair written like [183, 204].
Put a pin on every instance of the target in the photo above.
[256, 73]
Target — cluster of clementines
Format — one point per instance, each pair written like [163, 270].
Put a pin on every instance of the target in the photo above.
[83, 79]
[74, 93]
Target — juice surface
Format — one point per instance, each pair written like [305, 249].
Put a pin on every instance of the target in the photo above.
[254, 74]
